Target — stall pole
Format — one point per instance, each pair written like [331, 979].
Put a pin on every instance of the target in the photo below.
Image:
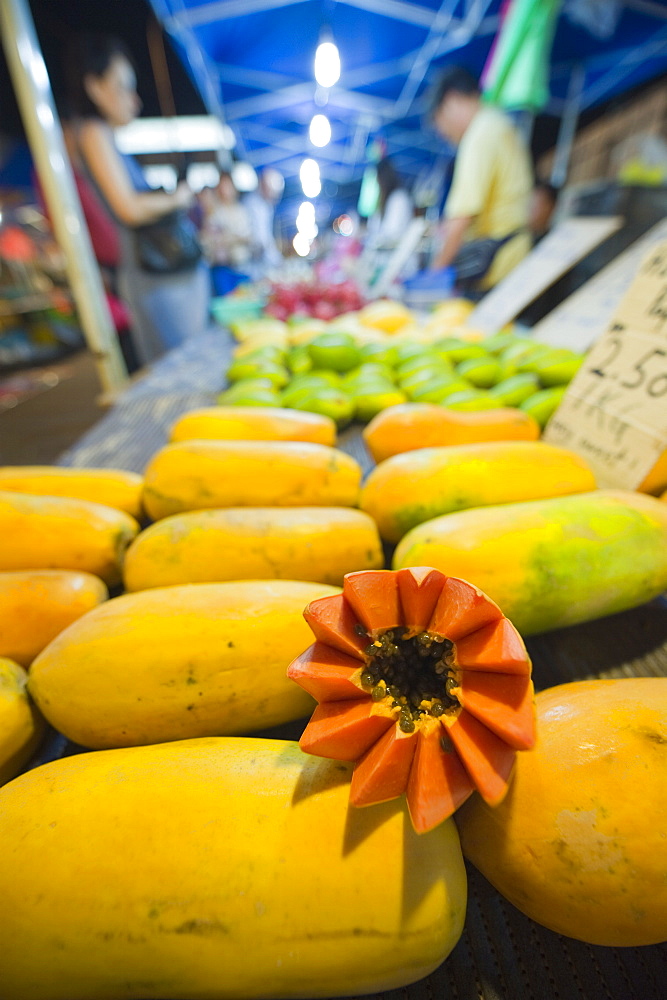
[568, 126]
[33, 93]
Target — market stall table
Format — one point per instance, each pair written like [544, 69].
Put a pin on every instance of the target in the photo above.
[502, 955]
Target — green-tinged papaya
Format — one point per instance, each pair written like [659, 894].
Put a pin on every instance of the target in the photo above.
[416, 486]
[550, 563]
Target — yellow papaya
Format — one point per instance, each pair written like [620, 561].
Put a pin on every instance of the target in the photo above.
[655, 480]
[551, 563]
[579, 844]
[21, 726]
[217, 869]
[321, 544]
[37, 604]
[417, 486]
[193, 475]
[409, 426]
[203, 659]
[45, 532]
[253, 423]
[110, 487]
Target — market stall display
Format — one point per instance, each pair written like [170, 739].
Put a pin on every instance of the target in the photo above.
[138, 427]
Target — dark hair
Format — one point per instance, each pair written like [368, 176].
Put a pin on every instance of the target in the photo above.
[388, 181]
[454, 79]
[89, 54]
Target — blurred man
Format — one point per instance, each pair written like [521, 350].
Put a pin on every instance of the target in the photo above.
[493, 178]
[261, 207]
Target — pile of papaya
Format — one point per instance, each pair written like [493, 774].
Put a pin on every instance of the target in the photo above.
[253, 576]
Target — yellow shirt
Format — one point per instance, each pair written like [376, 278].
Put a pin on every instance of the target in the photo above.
[492, 182]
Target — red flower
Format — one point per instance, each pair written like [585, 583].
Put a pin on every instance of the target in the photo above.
[424, 683]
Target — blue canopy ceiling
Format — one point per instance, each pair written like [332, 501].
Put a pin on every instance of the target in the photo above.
[252, 60]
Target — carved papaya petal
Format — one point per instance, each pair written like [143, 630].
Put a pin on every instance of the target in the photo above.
[419, 589]
[382, 773]
[373, 597]
[503, 703]
[326, 673]
[497, 646]
[462, 609]
[344, 730]
[333, 621]
[487, 759]
[438, 782]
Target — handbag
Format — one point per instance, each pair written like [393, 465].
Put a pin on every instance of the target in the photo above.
[168, 245]
[474, 259]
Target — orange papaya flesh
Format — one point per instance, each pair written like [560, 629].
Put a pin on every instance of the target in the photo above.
[383, 771]
[344, 730]
[487, 759]
[333, 622]
[419, 588]
[462, 609]
[438, 783]
[496, 646]
[373, 597]
[326, 673]
[412, 682]
[503, 703]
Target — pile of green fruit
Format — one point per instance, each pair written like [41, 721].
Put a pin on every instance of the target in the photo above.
[335, 376]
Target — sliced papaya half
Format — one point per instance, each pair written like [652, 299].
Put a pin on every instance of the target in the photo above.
[423, 683]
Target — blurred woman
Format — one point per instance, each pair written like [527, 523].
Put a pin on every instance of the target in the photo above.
[395, 209]
[166, 308]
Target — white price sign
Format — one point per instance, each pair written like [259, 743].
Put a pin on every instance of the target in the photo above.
[614, 413]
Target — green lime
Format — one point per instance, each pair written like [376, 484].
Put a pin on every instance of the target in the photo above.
[552, 371]
[369, 404]
[456, 350]
[265, 397]
[248, 387]
[440, 391]
[334, 351]
[498, 342]
[482, 372]
[430, 360]
[366, 371]
[295, 392]
[541, 405]
[470, 399]
[521, 350]
[380, 353]
[530, 361]
[315, 378]
[298, 360]
[426, 376]
[513, 390]
[329, 403]
[406, 351]
[436, 389]
[242, 369]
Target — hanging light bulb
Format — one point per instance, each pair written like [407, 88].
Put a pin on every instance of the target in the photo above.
[301, 245]
[320, 130]
[309, 175]
[327, 64]
[305, 221]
